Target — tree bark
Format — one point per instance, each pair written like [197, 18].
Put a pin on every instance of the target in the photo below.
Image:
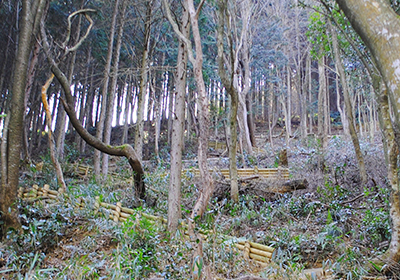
[228, 82]
[378, 26]
[139, 132]
[321, 110]
[349, 112]
[178, 126]
[104, 92]
[31, 11]
[112, 91]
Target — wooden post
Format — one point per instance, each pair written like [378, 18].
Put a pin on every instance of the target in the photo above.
[283, 160]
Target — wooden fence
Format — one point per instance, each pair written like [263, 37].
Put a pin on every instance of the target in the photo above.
[262, 254]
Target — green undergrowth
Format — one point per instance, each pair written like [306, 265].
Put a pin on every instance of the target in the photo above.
[337, 223]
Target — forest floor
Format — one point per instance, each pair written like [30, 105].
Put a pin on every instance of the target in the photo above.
[336, 226]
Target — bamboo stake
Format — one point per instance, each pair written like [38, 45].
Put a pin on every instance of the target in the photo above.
[254, 251]
[46, 190]
[258, 246]
[35, 191]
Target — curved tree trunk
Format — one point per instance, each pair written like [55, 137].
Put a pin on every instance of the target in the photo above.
[125, 150]
[379, 27]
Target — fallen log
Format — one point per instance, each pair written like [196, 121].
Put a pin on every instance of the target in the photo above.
[290, 186]
[267, 189]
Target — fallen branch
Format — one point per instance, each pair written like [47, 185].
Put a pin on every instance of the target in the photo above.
[352, 200]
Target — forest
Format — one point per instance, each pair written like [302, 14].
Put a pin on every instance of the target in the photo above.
[200, 139]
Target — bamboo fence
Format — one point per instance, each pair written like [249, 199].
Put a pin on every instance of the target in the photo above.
[259, 253]
[279, 173]
[222, 146]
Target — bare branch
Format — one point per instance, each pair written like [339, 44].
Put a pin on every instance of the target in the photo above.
[178, 32]
[199, 8]
[74, 48]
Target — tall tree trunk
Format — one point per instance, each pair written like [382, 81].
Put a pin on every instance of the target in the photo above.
[85, 98]
[353, 132]
[392, 163]
[178, 126]
[246, 78]
[104, 92]
[31, 12]
[128, 99]
[321, 110]
[139, 133]
[170, 97]
[157, 117]
[310, 87]
[228, 82]
[112, 90]
[289, 101]
[28, 90]
[341, 111]
[250, 119]
[89, 109]
[53, 151]
[204, 120]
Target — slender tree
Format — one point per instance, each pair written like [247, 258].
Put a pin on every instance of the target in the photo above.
[112, 89]
[349, 111]
[139, 131]
[229, 80]
[178, 126]
[32, 11]
[104, 90]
